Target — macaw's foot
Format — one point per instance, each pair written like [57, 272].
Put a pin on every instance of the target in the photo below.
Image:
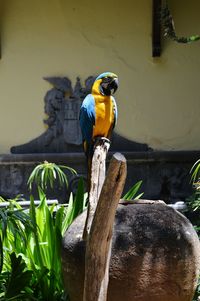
[102, 141]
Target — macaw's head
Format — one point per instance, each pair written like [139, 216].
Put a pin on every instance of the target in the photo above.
[106, 84]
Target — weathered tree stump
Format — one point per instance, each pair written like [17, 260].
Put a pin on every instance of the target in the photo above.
[98, 173]
[100, 217]
[98, 246]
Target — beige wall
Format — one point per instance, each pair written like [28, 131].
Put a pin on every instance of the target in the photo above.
[158, 99]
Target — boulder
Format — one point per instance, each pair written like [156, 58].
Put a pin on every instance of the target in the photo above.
[155, 255]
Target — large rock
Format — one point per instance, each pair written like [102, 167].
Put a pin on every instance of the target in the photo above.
[155, 255]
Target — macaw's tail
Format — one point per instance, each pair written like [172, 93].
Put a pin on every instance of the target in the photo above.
[89, 150]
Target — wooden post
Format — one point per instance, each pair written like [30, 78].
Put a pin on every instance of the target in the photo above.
[156, 28]
[98, 172]
[98, 246]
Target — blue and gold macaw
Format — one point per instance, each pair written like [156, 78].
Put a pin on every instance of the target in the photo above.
[98, 113]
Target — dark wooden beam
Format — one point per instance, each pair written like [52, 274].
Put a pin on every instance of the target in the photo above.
[156, 28]
[0, 29]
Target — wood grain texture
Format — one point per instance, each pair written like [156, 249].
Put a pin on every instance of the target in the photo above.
[98, 172]
[98, 248]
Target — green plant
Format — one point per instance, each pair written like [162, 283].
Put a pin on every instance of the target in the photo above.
[38, 253]
[169, 27]
[77, 204]
[14, 275]
[15, 282]
[195, 178]
[47, 173]
[193, 203]
[33, 239]
[132, 193]
[195, 170]
[194, 200]
[13, 222]
[197, 292]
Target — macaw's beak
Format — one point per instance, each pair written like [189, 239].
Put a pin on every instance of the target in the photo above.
[109, 86]
[113, 86]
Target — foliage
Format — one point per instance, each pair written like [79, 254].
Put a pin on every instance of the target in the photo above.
[195, 171]
[194, 205]
[77, 204]
[132, 193]
[194, 200]
[30, 241]
[15, 283]
[47, 173]
[12, 224]
[14, 276]
[169, 28]
[197, 293]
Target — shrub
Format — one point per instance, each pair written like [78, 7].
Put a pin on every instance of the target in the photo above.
[30, 240]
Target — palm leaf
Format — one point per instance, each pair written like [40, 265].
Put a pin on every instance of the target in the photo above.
[195, 171]
[47, 173]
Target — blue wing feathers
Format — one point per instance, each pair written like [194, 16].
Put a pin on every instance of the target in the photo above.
[87, 117]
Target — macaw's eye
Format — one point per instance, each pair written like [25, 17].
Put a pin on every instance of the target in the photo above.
[107, 79]
[105, 85]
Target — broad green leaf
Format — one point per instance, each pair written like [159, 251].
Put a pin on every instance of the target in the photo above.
[69, 215]
[132, 193]
[79, 199]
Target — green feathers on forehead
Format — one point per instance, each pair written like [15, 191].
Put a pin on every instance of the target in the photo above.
[106, 74]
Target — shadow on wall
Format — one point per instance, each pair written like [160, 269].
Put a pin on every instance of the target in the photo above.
[62, 105]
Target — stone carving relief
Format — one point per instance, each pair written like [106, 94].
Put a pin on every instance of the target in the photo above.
[62, 105]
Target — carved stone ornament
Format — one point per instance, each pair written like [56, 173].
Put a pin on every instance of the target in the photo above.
[62, 106]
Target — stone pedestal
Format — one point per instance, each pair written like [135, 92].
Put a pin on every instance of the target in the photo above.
[155, 255]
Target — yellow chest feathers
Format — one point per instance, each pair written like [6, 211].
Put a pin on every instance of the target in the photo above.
[104, 115]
